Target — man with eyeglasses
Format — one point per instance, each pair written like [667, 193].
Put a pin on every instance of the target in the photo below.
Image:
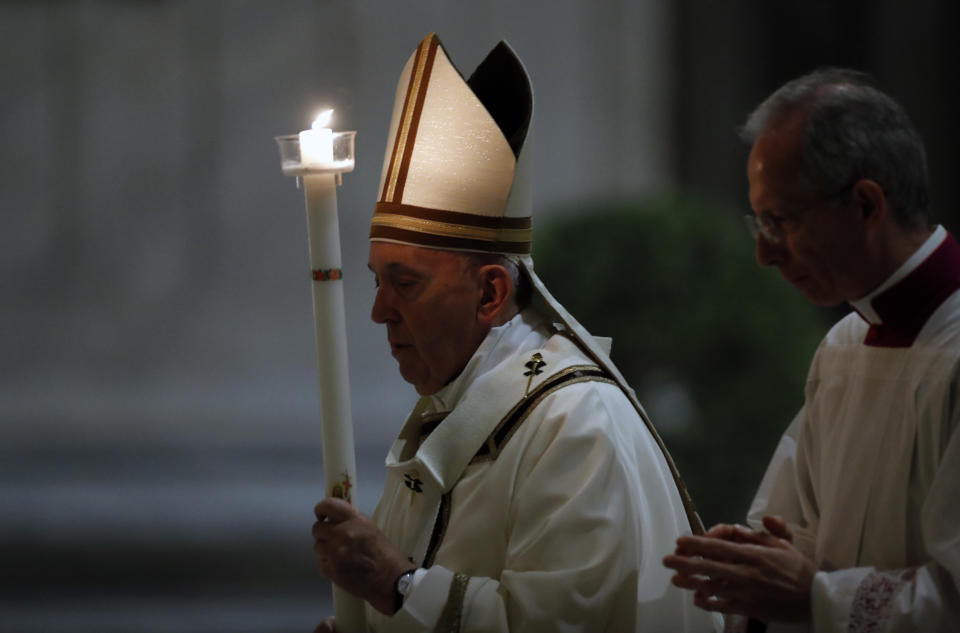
[856, 524]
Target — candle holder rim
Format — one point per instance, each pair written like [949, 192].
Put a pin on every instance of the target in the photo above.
[296, 137]
[292, 166]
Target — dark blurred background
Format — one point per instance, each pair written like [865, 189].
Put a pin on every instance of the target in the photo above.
[159, 428]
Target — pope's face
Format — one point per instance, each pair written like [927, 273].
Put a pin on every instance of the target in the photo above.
[821, 242]
[428, 299]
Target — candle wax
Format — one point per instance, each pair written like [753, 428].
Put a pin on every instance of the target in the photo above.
[316, 147]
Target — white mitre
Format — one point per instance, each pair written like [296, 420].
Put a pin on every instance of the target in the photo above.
[451, 179]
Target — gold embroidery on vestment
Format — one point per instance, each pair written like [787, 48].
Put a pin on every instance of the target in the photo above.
[452, 614]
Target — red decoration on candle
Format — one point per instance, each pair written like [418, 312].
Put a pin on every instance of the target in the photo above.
[329, 274]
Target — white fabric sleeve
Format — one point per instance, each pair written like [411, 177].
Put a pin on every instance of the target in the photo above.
[918, 599]
[777, 491]
[782, 491]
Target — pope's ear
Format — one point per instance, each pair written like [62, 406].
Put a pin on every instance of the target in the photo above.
[496, 286]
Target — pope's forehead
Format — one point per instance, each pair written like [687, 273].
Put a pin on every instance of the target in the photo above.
[384, 254]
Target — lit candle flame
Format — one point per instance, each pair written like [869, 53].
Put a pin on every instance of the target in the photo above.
[322, 120]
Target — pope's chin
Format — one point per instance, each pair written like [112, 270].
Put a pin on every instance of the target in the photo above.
[411, 370]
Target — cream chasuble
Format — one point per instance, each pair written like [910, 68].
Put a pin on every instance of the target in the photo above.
[534, 499]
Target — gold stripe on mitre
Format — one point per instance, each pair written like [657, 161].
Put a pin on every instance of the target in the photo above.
[399, 163]
[436, 228]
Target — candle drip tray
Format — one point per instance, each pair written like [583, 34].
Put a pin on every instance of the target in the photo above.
[292, 165]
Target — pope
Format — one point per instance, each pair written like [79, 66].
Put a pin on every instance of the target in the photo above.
[527, 490]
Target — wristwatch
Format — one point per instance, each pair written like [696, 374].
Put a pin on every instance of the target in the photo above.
[402, 589]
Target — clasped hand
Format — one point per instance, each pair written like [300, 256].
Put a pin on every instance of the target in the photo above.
[734, 569]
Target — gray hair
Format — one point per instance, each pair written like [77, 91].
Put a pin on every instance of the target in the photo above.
[851, 131]
[521, 291]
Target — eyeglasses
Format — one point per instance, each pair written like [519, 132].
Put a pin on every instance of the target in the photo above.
[772, 227]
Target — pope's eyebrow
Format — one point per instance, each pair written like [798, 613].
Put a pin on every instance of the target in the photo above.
[398, 268]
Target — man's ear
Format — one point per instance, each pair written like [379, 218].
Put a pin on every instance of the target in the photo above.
[496, 288]
[869, 197]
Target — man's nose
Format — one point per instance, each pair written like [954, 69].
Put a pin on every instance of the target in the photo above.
[768, 253]
[382, 311]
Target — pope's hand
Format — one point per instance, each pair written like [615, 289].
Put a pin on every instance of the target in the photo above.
[328, 625]
[734, 569]
[355, 555]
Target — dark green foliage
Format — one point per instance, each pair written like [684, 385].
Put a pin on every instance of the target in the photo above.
[716, 347]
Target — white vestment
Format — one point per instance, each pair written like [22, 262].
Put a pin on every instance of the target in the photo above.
[868, 473]
[530, 508]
